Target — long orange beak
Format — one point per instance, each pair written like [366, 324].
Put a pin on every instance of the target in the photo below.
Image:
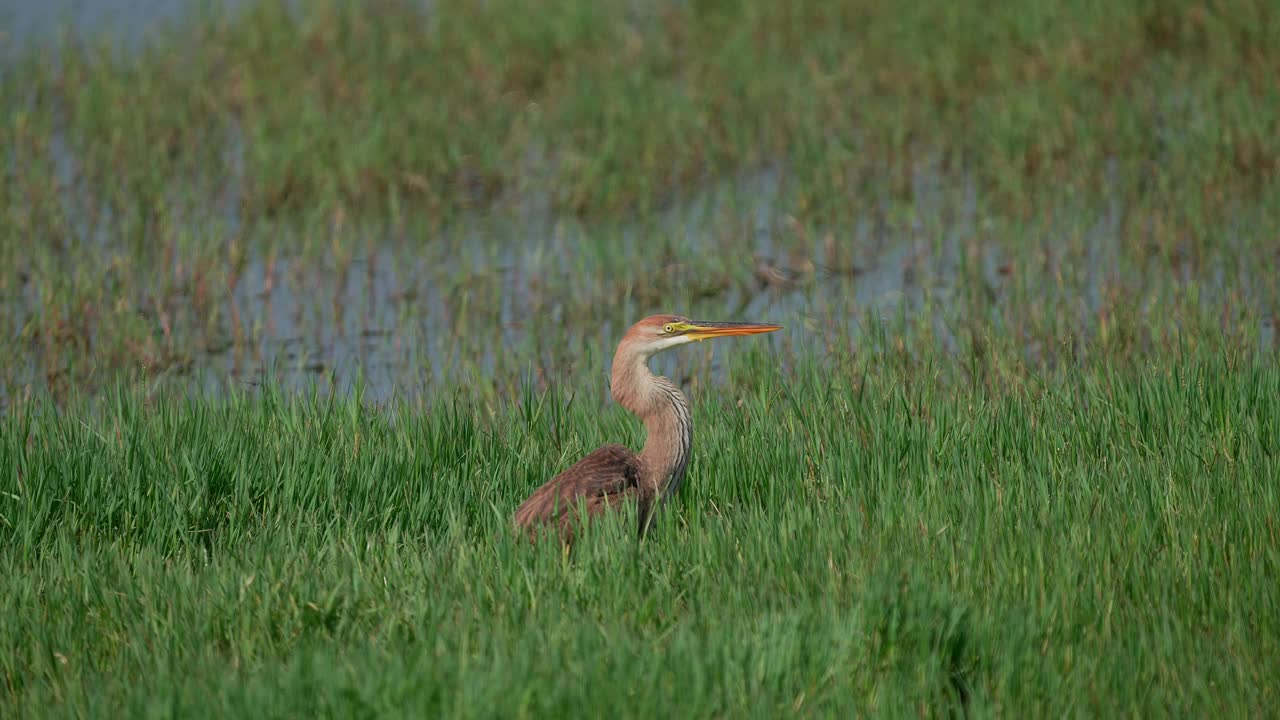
[700, 330]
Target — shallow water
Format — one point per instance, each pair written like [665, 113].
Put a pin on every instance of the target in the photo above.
[28, 22]
[505, 299]
[533, 296]
[395, 315]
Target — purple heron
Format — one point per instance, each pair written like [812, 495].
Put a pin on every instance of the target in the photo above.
[614, 475]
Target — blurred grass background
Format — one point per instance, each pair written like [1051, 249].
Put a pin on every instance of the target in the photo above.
[1050, 174]
[611, 108]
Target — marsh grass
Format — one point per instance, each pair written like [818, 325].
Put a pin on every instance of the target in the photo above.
[1099, 543]
[610, 107]
[486, 305]
[1120, 156]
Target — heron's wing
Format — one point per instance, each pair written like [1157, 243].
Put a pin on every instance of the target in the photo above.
[600, 480]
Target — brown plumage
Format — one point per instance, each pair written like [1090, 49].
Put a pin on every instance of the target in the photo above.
[613, 476]
[605, 479]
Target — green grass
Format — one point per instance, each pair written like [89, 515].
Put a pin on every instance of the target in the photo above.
[607, 107]
[1100, 542]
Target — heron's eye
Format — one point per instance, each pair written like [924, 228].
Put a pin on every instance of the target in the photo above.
[668, 328]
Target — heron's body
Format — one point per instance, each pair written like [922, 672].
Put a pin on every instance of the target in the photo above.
[613, 476]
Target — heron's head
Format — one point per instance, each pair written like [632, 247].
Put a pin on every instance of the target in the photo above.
[656, 333]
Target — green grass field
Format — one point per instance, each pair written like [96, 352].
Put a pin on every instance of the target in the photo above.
[1014, 454]
[1102, 544]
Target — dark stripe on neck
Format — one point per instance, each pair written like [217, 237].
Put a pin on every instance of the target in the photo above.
[684, 438]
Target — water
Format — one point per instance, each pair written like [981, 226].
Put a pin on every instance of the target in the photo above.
[406, 314]
[502, 299]
[499, 300]
[130, 21]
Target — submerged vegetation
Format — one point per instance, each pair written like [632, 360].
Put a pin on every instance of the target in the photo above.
[258, 189]
[1014, 452]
